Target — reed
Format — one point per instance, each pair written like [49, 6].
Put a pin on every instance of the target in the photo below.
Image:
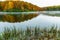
[30, 34]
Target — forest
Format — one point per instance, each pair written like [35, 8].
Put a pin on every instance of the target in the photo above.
[18, 6]
[52, 8]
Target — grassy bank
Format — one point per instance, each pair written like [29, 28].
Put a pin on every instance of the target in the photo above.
[30, 34]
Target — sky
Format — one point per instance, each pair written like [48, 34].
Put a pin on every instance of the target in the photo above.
[43, 3]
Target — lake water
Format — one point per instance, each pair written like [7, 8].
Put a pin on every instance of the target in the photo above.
[41, 20]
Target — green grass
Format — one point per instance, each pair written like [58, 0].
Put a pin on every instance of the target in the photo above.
[30, 34]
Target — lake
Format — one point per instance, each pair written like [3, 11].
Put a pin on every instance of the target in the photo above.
[43, 19]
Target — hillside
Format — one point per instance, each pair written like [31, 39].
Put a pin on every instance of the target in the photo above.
[52, 8]
[18, 6]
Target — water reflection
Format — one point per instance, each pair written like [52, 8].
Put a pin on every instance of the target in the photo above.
[42, 21]
[17, 17]
[29, 20]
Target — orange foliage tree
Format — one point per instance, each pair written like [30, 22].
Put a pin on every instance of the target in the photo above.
[9, 5]
[19, 5]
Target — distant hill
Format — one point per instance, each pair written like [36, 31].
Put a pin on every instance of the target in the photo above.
[52, 8]
[18, 6]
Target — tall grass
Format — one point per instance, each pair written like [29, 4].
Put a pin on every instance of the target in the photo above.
[30, 34]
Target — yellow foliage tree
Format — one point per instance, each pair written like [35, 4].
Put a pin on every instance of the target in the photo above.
[12, 0]
[9, 5]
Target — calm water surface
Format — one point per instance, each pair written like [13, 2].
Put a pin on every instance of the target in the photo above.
[41, 21]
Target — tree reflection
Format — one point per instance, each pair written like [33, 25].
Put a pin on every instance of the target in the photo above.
[17, 17]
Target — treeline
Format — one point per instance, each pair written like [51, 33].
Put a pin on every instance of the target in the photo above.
[52, 8]
[16, 18]
[18, 6]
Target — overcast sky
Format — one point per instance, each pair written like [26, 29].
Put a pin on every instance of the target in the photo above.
[43, 3]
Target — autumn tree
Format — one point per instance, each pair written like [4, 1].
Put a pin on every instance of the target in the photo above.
[9, 5]
[18, 6]
[12, 0]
